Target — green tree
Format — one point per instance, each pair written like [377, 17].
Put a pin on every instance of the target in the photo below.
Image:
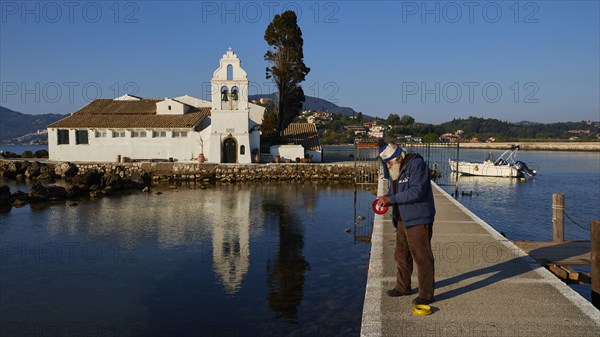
[286, 65]
[269, 124]
[431, 138]
[407, 120]
[393, 119]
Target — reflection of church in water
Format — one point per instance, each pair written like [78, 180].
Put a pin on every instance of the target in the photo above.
[231, 238]
[231, 220]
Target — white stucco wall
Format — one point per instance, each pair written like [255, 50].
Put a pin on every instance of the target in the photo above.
[170, 107]
[108, 148]
[193, 101]
[229, 121]
[216, 140]
[257, 113]
[288, 151]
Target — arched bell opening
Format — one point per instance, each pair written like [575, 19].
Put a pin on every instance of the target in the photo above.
[224, 97]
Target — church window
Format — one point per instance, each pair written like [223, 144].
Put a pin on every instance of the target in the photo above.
[81, 137]
[63, 137]
[242, 149]
[138, 134]
[118, 134]
[229, 72]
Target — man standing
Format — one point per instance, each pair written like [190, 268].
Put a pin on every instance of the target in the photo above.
[411, 196]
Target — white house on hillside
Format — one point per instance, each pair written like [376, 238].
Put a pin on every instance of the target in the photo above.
[225, 129]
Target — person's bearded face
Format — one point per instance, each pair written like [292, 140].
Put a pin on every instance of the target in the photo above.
[394, 168]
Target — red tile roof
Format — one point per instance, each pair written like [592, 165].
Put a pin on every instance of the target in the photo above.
[304, 134]
[109, 113]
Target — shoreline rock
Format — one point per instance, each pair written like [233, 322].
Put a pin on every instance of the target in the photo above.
[96, 180]
[133, 175]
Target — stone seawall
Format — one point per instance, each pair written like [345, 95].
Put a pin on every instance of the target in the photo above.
[228, 172]
[20, 169]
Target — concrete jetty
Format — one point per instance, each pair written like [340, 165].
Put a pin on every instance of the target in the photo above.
[485, 285]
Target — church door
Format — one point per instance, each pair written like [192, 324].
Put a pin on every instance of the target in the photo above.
[229, 151]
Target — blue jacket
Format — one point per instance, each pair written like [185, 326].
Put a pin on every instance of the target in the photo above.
[412, 200]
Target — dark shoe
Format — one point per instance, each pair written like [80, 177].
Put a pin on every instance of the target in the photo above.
[420, 300]
[396, 293]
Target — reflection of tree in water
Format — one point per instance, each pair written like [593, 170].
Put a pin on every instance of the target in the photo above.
[286, 272]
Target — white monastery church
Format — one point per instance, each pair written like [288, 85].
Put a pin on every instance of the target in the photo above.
[224, 130]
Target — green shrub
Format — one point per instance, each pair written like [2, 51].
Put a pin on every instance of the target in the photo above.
[10, 154]
[41, 154]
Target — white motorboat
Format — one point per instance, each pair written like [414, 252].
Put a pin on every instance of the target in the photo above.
[504, 166]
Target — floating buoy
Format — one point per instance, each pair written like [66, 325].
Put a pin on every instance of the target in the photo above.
[348, 230]
[360, 217]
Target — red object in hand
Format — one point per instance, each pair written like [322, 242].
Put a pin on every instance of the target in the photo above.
[379, 209]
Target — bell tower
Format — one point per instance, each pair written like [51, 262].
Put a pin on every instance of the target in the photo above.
[230, 111]
[229, 85]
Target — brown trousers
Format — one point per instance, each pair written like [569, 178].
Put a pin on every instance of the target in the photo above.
[414, 243]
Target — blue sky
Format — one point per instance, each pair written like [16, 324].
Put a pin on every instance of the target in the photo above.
[433, 60]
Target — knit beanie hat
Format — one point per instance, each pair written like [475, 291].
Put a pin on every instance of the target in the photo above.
[389, 151]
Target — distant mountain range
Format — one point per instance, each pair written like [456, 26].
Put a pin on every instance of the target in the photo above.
[14, 124]
[314, 103]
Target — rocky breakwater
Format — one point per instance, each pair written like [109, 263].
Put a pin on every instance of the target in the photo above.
[95, 180]
[90, 183]
[284, 172]
[21, 170]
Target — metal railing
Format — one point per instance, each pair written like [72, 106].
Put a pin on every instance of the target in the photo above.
[368, 167]
[437, 156]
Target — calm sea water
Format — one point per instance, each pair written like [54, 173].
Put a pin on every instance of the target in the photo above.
[239, 260]
[233, 260]
[18, 149]
[523, 210]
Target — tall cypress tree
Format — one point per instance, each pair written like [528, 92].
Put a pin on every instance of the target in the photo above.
[286, 65]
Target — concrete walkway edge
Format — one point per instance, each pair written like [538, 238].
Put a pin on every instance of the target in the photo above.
[372, 318]
[586, 307]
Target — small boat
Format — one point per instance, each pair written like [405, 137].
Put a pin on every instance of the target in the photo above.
[504, 166]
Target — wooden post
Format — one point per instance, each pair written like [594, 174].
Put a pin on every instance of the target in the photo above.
[558, 217]
[595, 262]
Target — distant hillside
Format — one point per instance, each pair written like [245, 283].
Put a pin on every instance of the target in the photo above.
[14, 124]
[314, 103]
[488, 127]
